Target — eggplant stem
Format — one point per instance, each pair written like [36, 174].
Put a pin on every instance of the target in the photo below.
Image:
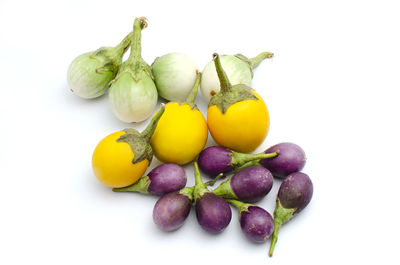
[193, 93]
[136, 45]
[148, 132]
[223, 78]
[274, 239]
[255, 61]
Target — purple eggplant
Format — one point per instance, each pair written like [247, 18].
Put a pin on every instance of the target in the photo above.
[249, 185]
[213, 213]
[294, 195]
[161, 180]
[291, 159]
[215, 159]
[172, 209]
[256, 223]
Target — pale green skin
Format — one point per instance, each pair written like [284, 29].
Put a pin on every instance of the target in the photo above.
[84, 81]
[237, 70]
[133, 100]
[174, 75]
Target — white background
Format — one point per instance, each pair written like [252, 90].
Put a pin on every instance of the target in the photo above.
[331, 88]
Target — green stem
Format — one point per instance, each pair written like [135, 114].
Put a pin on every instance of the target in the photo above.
[141, 186]
[223, 78]
[239, 159]
[136, 45]
[246, 165]
[212, 182]
[255, 61]
[121, 48]
[281, 216]
[199, 187]
[277, 225]
[148, 132]
[198, 180]
[193, 93]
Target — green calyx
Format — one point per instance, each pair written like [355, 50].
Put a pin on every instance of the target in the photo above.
[135, 65]
[200, 187]
[281, 216]
[141, 186]
[113, 55]
[241, 206]
[228, 95]
[225, 190]
[188, 192]
[193, 93]
[140, 142]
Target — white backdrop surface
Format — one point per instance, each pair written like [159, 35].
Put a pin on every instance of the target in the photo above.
[332, 88]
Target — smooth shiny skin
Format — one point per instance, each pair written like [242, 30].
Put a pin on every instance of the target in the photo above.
[112, 162]
[180, 135]
[243, 127]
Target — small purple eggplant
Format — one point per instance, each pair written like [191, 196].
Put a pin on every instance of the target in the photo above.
[172, 209]
[215, 159]
[213, 213]
[249, 185]
[161, 180]
[256, 223]
[291, 159]
[294, 195]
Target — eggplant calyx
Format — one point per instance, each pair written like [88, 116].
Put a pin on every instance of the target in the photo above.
[139, 142]
[225, 190]
[228, 95]
[141, 186]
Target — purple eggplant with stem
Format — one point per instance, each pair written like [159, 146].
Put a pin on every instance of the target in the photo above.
[291, 159]
[294, 195]
[256, 223]
[172, 209]
[161, 180]
[213, 213]
[248, 185]
[215, 159]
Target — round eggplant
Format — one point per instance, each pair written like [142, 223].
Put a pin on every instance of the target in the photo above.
[256, 223]
[291, 159]
[172, 209]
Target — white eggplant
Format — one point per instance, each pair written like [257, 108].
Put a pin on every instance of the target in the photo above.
[133, 94]
[238, 68]
[174, 75]
[89, 74]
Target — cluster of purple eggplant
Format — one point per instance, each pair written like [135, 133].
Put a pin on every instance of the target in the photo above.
[251, 180]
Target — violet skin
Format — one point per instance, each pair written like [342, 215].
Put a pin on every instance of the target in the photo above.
[161, 180]
[257, 224]
[213, 213]
[171, 211]
[248, 185]
[215, 160]
[166, 178]
[291, 159]
[296, 191]
[294, 195]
